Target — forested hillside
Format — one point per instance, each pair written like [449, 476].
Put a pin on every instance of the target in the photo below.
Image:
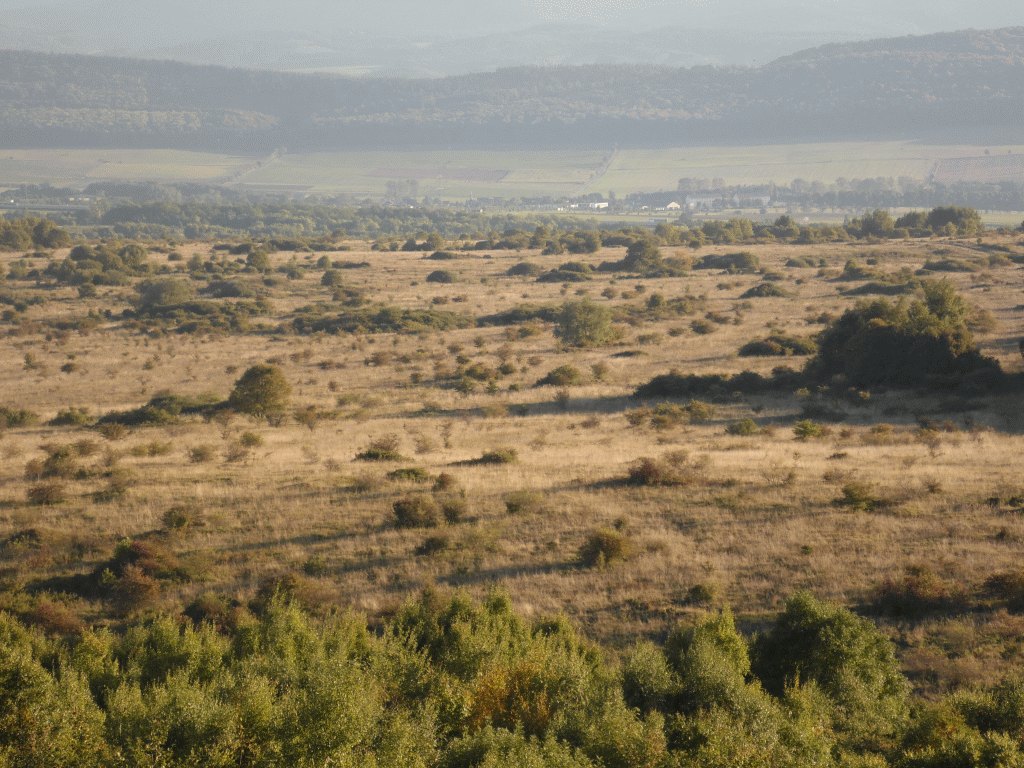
[952, 87]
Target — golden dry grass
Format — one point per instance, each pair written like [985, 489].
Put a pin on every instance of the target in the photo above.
[759, 521]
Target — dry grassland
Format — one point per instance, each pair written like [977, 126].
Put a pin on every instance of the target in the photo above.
[757, 520]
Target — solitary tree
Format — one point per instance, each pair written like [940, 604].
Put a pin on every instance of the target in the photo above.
[584, 324]
[262, 391]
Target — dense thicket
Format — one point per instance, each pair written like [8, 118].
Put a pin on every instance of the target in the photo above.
[457, 683]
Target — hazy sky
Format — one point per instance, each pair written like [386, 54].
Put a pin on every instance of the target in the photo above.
[206, 17]
[192, 29]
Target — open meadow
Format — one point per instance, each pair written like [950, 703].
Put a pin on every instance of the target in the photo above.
[902, 504]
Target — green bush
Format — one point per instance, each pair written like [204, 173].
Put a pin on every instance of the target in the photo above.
[384, 448]
[262, 391]
[605, 547]
[13, 418]
[672, 469]
[498, 456]
[806, 429]
[45, 494]
[526, 503]
[858, 495]
[420, 511]
[162, 409]
[743, 262]
[452, 682]
[441, 276]
[584, 324]
[743, 428]
[764, 290]
[72, 417]
[410, 474]
[157, 295]
[524, 269]
[778, 345]
[562, 376]
[847, 657]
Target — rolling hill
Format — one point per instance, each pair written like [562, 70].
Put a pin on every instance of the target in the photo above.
[957, 87]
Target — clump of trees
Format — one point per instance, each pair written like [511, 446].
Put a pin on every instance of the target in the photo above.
[907, 343]
[922, 342]
[101, 264]
[22, 234]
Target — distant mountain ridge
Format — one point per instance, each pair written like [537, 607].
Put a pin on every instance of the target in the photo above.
[956, 87]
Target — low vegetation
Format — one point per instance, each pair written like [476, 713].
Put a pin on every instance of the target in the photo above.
[275, 542]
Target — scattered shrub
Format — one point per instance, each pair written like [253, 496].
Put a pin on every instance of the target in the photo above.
[420, 511]
[498, 456]
[562, 376]
[182, 517]
[410, 474]
[250, 440]
[778, 345]
[735, 263]
[806, 429]
[162, 409]
[454, 507]
[72, 417]
[45, 494]
[433, 545]
[604, 547]
[743, 428]
[524, 269]
[764, 290]
[14, 418]
[441, 276]
[201, 454]
[384, 448]
[446, 482]
[674, 468]
[858, 495]
[919, 591]
[526, 503]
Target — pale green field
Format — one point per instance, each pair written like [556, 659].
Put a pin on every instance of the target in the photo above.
[453, 175]
[458, 175]
[78, 167]
[652, 170]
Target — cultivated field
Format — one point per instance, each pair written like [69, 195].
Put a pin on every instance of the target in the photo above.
[458, 175]
[755, 519]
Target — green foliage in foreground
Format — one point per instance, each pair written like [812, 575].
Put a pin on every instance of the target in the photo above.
[457, 684]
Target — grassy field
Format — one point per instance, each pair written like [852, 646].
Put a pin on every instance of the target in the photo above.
[757, 519]
[458, 175]
[79, 167]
